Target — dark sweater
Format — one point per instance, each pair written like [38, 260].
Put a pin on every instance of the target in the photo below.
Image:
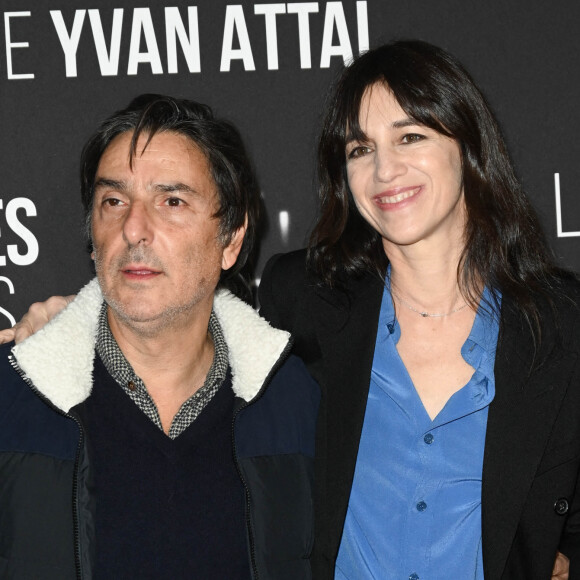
[164, 508]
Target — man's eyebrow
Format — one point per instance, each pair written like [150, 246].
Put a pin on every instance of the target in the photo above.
[103, 182]
[171, 187]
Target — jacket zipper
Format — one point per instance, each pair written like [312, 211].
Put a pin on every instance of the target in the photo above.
[273, 370]
[76, 531]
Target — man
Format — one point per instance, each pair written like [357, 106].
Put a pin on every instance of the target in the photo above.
[158, 428]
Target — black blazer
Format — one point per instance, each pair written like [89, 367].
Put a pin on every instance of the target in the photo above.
[530, 503]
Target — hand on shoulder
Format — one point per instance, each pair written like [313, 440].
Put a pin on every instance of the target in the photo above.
[38, 315]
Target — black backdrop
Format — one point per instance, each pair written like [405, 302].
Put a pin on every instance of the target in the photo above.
[66, 65]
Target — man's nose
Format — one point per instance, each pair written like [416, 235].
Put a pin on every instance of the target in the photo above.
[138, 225]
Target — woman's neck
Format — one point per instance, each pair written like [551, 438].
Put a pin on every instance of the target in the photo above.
[426, 280]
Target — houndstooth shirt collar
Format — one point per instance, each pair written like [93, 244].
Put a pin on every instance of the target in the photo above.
[120, 369]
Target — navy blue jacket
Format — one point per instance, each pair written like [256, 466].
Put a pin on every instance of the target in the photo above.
[46, 503]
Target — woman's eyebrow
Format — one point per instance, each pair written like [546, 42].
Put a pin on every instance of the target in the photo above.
[402, 123]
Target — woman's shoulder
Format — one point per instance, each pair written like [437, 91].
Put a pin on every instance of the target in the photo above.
[290, 266]
[567, 293]
[281, 284]
[560, 313]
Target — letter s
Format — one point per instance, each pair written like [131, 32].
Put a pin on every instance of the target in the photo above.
[12, 219]
[11, 289]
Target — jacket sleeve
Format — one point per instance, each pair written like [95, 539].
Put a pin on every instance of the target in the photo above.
[570, 541]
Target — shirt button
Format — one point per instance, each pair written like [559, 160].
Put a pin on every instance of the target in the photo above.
[428, 438]
[131, 386]
[421, 506]
[413, 576]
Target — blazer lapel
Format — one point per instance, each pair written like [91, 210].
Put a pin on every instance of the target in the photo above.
[347, 328]
[520, 420]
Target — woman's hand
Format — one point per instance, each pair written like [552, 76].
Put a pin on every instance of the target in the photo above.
[561, 567]
[37, 316]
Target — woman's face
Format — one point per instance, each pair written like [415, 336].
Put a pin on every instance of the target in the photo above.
[406, 178]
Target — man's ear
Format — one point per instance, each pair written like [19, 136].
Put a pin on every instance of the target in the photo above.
[232, 250]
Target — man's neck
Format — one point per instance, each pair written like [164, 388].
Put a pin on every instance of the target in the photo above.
[172, 362]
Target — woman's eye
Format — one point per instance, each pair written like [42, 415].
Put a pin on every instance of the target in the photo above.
[412, 138]
[358, 151]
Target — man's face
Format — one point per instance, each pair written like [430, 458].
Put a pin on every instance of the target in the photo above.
[157, 250]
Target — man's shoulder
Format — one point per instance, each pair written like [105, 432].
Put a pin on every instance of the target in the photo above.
[292, 385]
[7, 372]
[287, 406]
[295, 389]
[13, 387]
[29, 423]
[5, 349]
[294, 371]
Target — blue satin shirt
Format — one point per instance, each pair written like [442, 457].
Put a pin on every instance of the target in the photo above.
[415, 505]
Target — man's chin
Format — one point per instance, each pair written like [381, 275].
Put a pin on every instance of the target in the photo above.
[140, 315]
[144, 319]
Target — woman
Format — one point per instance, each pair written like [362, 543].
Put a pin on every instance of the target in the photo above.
[443, 336]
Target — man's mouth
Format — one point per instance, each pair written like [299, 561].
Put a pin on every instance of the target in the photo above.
[139, 272]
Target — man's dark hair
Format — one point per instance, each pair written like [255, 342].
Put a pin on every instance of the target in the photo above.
[505, 248]
[219, 140]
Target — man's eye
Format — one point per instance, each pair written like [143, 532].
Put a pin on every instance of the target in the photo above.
[112, 202]
[358, 151]
[173, 201]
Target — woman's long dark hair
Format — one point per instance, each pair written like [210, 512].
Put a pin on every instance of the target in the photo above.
[505, 248]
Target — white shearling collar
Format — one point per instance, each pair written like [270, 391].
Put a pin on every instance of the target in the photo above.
[254, 346]
[58, 359]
